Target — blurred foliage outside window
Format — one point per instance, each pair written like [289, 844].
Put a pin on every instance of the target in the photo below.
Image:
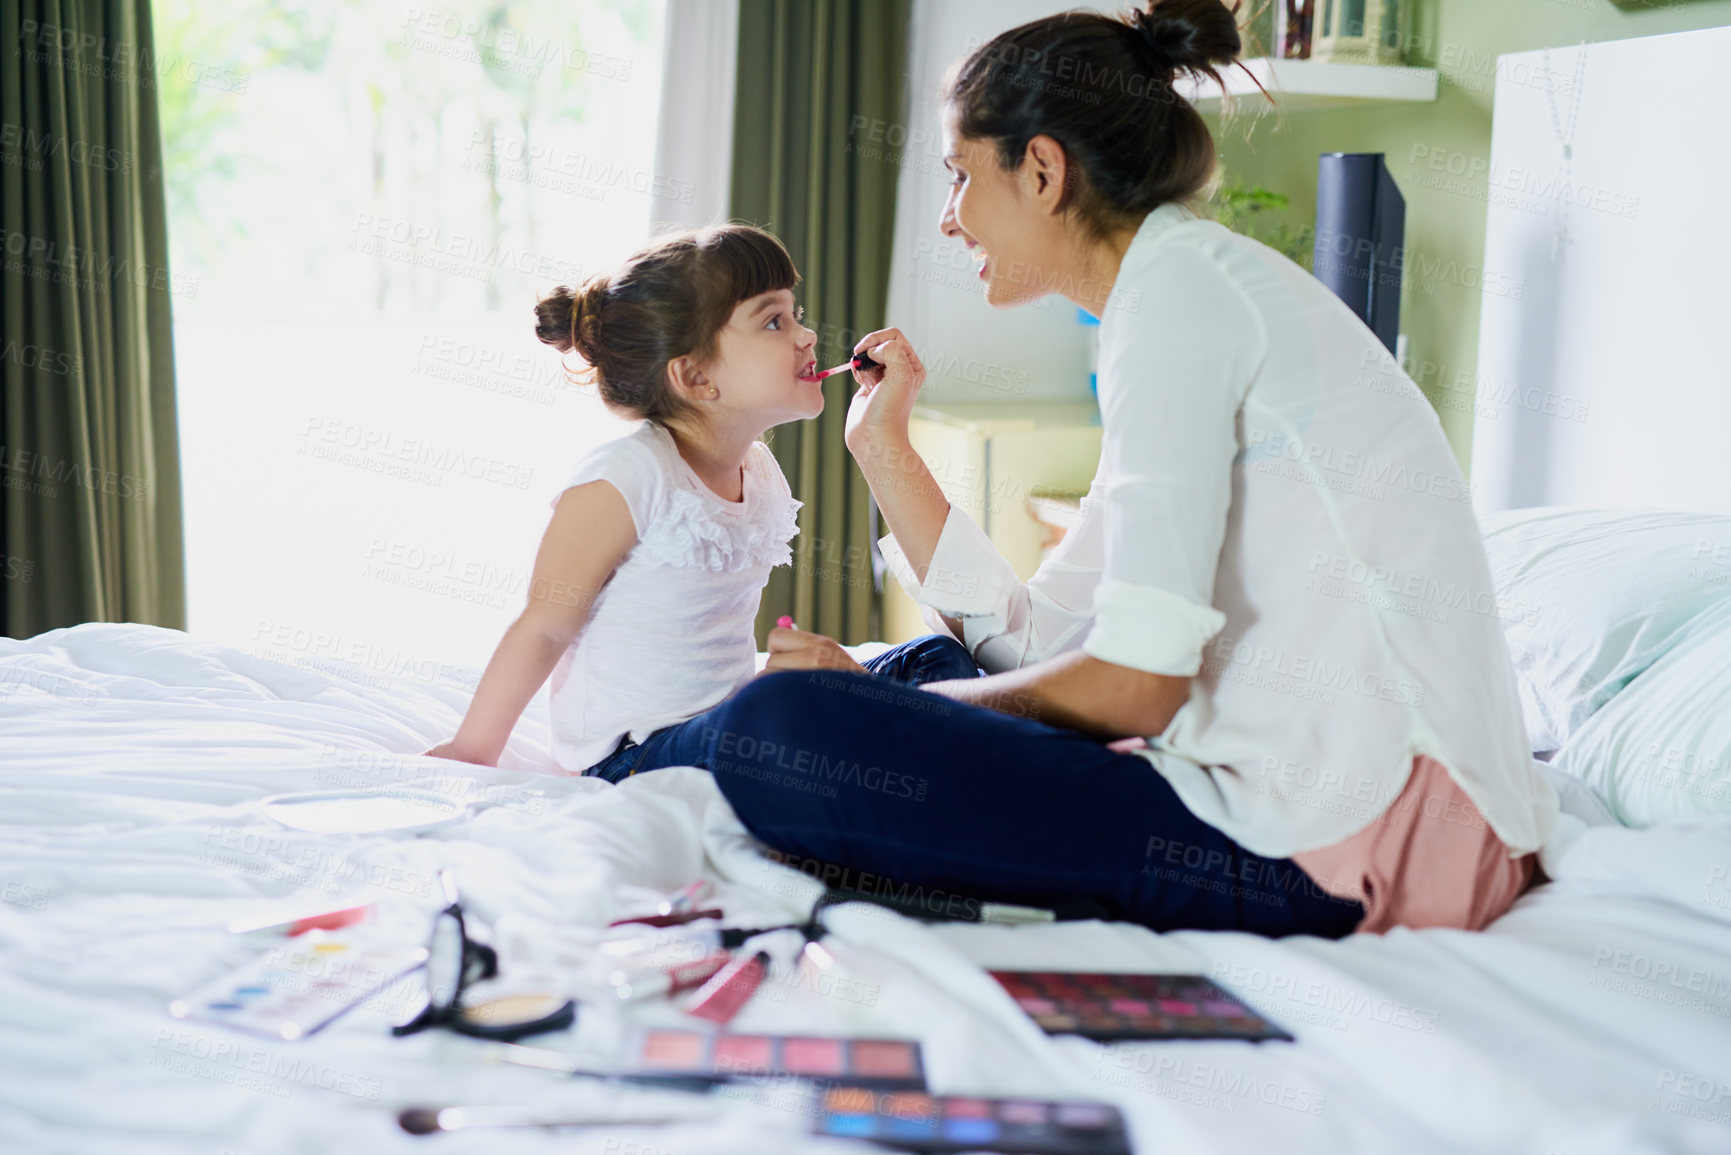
[334, 156]
[367, 199]
[1260, 214]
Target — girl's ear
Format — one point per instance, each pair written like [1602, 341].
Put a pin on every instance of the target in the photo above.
[687, 380]
[1046, 172]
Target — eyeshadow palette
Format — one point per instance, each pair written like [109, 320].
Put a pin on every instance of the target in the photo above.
[879, 1063]
[1126, 1006]
[912, 1121]
[294, 989]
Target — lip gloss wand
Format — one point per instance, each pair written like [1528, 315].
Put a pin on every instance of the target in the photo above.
[860, 361]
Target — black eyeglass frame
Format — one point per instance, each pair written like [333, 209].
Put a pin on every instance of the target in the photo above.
[476, 962]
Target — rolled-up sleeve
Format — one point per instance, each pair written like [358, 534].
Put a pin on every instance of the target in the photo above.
[968, 577]
[1174, 371]
[1006, 623]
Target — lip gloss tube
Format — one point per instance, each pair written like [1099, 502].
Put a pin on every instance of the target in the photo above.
[719, 999]
[634, 986]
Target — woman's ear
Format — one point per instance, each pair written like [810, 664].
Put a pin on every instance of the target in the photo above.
[1046, 172]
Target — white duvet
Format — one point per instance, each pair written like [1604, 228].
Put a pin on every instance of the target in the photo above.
[1594, 1017]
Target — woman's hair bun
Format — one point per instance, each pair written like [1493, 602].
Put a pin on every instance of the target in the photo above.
[1189, 35]
[567, 319]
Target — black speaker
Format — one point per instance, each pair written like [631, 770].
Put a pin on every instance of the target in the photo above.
[1360, 234]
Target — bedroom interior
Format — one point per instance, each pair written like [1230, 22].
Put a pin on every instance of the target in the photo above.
[225, 843]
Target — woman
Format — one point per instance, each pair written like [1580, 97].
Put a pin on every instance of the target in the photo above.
[1261, 684]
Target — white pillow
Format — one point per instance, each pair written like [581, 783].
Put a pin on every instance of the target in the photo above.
[1591, 597]
[1661, 749]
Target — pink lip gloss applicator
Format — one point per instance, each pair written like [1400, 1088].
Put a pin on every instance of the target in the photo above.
[860, 361]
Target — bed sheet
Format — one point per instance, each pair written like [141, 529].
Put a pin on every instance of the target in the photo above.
[1594, 1017]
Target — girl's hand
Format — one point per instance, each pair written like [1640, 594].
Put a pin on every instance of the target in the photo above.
[455, 753]
[878, 413]
[791, 649]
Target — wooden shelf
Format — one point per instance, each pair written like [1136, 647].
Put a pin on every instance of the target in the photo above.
[1307, 85]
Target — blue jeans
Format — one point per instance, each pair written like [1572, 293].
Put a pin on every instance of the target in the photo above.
[933, 658]
[878, 778]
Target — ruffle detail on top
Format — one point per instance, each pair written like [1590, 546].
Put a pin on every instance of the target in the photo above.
[689, 535]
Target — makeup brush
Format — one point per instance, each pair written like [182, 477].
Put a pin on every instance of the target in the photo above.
[860, 361]
[433, 1120]
[562, 1064]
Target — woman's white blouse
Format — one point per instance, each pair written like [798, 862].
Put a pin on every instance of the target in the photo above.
[1277, 514]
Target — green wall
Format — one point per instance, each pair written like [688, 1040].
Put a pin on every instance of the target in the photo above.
[1445, 212]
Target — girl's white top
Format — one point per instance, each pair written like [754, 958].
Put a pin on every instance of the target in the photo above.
[671, 633]
[1278, 516]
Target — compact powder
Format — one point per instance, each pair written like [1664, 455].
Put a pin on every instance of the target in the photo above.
[675, 1051]
[743, 1053]
[970, 1108]
[511, 1009]
[849, 1100]
[871, 1057]
[1025, 1111]
[812, 1056]
[1084, 1115]
[908, 1105]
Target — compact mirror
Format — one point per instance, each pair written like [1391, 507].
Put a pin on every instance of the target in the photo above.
[460, 996]
[444, 962]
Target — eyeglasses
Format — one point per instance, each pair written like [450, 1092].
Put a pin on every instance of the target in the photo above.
[455, 962]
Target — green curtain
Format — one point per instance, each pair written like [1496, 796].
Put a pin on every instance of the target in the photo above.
[90, 519]
[810, 73]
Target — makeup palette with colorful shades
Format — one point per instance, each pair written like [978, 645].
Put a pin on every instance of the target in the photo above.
[294, 989]
[913, 1121]
[879, 1063]
[1130, 1006]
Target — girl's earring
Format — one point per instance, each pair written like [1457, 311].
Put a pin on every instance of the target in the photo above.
[714, 393]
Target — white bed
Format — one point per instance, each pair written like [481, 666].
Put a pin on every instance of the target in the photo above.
[134, 757]
[1594, 1017]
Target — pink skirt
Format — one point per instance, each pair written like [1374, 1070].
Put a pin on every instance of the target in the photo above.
[1430, 859]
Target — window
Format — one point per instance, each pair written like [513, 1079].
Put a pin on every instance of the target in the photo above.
[365, 202]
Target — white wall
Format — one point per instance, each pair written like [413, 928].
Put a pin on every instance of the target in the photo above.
[972, 352]
[1603, 380]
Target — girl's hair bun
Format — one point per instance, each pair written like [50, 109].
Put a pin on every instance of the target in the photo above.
[569, 319]
[1189, 35]
[553, 316]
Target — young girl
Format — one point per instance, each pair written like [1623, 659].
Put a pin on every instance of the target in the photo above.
[648, 579]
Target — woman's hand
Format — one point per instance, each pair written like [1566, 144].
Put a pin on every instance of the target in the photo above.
[791, 649]
[878, 413]
[455, 753]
